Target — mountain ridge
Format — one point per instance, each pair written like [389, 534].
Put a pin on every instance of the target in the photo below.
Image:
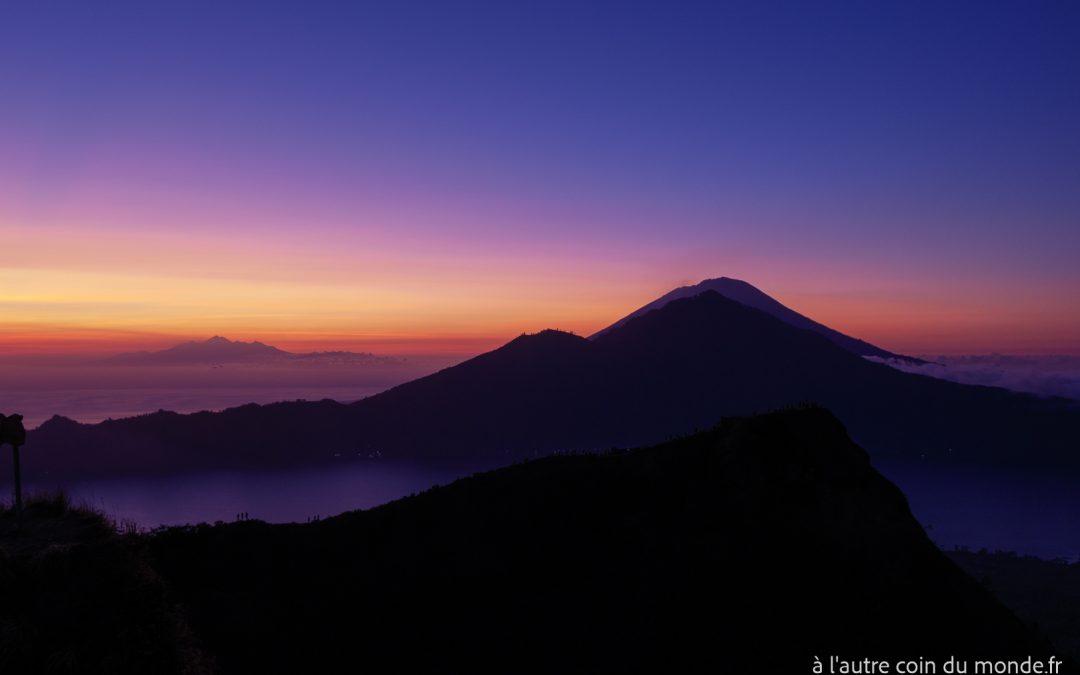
[660, 375]
[221, 350]
[745, 293]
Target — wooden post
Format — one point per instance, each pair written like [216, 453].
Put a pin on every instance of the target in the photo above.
[18, 491]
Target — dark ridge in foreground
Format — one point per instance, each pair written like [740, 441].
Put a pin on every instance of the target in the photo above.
[747, 549]
[1044, 593]
[77, 597]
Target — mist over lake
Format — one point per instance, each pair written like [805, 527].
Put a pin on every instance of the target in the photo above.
[273, 496]
[1031, 512]
[92, 392]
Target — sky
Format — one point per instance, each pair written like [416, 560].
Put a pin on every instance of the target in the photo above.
[438, 177]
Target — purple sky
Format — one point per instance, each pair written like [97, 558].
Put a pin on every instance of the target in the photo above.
[443, 176]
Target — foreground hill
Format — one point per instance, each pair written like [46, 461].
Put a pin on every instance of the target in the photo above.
[751, 548]
[1043, 593]
[79, 598]
[665, 373]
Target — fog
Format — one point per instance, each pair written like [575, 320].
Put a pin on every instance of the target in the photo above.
[1043, 375]
[91, 392]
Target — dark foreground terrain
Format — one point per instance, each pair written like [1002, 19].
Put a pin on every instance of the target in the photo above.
[77, 597]
[1044, 594]
[751, 548]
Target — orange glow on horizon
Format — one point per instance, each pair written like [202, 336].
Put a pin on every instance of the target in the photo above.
[100, 290]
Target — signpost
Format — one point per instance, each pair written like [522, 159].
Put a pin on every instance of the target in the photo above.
[13, 432]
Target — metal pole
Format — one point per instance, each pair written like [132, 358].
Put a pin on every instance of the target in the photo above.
[18, 491]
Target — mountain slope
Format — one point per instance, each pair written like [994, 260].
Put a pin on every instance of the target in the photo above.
[746, 294]
[682, 367]
[751, 548]
[664, 373]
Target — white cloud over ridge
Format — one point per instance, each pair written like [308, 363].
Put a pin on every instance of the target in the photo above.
[1042, 375]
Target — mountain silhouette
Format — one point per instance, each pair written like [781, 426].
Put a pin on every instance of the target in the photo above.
[220, 350]
[750, 548]
[662, 374]
[742, 292]
[215, 350]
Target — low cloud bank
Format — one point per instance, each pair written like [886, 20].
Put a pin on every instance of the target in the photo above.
[1042, 375]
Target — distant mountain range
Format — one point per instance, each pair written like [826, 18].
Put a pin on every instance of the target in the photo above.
[660, 374]
[742, 292]
[219, 350]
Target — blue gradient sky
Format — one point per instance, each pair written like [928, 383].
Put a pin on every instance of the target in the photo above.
[343, 174]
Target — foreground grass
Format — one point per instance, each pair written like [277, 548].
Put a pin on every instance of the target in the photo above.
[79, 597]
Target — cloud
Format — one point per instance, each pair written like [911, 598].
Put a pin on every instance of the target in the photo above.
[1042, 375]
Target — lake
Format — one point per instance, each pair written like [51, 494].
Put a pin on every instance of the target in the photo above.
[1036, 513]
[1026, 511]
[94, 392]
[273, 496]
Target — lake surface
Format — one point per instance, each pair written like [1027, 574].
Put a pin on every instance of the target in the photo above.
[1033, 513]
[1029, 512]
[276, 497]
[94, 392]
